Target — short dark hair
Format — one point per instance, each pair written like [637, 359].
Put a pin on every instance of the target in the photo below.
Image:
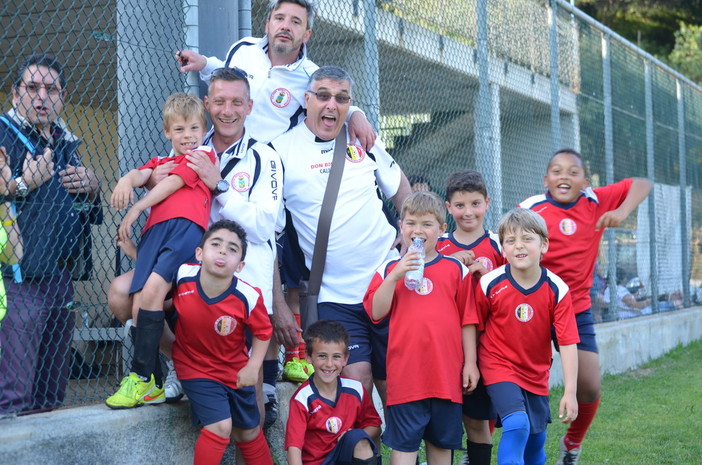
[232, 74]
[40, 59]
[325, 331]
[465, 181]
[229, 225]
[306, 4]
[573, 152]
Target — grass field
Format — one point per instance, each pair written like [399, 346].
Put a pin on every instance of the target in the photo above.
[648, 416]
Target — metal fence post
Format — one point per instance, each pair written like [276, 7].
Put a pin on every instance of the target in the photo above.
[192, 41]
[371, 72]
[684, 230]
[610, 235]
[650, 168]
[555, 85]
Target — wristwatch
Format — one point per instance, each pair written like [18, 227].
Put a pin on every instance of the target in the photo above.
[22, 189]
[221, 187]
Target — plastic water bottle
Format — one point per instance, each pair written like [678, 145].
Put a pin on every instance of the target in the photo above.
[414, 278]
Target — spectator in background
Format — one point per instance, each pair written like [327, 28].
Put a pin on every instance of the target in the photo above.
[628, 305]
[57, 199]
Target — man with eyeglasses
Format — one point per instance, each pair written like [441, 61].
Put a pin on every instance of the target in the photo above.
[360, 238]
[56, 199]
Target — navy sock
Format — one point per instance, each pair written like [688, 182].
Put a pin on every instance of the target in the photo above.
[478, 453]
[270, 372]
[535, 453]
[148, 333]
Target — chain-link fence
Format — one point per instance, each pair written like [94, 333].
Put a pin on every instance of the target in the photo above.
[485, 85]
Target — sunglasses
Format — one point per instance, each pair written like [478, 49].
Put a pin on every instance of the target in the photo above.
[341, 99]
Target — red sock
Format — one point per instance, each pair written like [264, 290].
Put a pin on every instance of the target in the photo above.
[491, 424]
[578, 429]
[294, 352]
[209, 448]
[256, 451]
[301, 348]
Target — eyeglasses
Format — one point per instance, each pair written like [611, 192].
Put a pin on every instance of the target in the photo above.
[33, 88]
[228, 73]
[341, 99]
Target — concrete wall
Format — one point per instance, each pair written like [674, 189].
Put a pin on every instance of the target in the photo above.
[163, 434]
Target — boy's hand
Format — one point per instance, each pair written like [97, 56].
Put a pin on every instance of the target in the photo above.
[128, 247]
[125, 228]
[123, 195]
[471, 375]
[611, 219]
[410, 261]
[160, 173]
[569, 407]
[247, 376]
[465, 256]
[477, 269]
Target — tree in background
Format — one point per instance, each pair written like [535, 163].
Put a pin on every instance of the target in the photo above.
[686, 56]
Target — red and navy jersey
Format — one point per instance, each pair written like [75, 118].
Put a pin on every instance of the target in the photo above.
[210, 331]
[426, 324]
[573, 239]
[316, 423]
[192, 201]
[486, 248]
[515, 346]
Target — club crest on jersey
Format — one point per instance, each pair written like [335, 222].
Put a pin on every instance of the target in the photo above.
[486, 262]
[225, 325]
[334, 425]
[355, 154]
[524, 312]
[567, 226]
[241, 181]
[426, 287]
[281, 97]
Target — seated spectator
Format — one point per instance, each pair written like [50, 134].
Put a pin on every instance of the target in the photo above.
[627, 304]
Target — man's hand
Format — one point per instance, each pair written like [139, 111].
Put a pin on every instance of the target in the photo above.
[285, 326]
[5, 172]
[208, 171]
[79, 180]
[39, 169]
[190, 61]
[361, 129]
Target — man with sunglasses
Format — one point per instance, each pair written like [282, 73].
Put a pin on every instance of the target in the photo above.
[56, 200]
[360, 238]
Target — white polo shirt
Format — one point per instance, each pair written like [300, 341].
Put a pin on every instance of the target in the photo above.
[360, 237]
[253, 200]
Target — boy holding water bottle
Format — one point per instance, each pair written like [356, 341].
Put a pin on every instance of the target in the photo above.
[429, 319]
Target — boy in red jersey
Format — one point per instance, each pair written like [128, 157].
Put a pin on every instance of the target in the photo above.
[180, 211]
[479, 249]
[332, 419]
[214, 311]
[431, 320]
[577, 216]
[518, 305]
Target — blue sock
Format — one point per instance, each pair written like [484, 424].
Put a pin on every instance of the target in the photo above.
[515, 434]
[535, 454]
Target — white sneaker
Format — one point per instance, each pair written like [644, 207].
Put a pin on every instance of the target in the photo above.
[174, 391]
[568, 457]
[464, 459]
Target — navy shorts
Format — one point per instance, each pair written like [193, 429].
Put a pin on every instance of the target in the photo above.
[291, 259]
[212, 401]
[367, 342]
[586, 331]
[342, 454]
[509, 398]
[435, 420]
[162, 250]
[477, 404]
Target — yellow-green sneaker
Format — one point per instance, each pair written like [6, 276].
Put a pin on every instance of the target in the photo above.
[294, 370]
[307, 366]
[135, 392]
